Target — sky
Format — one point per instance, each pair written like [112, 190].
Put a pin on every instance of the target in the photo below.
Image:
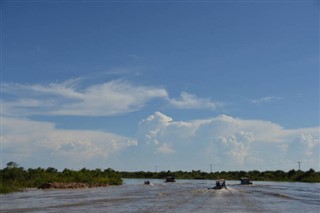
[160, 85]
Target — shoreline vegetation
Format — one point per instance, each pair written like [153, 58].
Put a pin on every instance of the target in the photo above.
[15, 178]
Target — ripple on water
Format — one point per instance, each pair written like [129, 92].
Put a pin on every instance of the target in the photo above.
[187, 196]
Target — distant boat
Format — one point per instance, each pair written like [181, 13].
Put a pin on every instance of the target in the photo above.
[220, 184]
[147, 182]
[170, 179]
[245, 181]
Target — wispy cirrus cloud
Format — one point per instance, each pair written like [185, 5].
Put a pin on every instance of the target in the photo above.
[104, 99]
[68, 98]
[190, 101]
[267, 99]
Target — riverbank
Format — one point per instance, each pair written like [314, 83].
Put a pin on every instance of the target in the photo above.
[72, 185]
[310, 176]
[14, 178]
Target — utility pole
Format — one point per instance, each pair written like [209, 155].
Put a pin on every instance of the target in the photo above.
[156, 168]
[299, 162]
[210, 167]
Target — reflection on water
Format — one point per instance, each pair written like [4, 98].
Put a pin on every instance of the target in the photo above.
[182, 196]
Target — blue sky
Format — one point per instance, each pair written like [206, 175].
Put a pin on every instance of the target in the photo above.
[177, 85]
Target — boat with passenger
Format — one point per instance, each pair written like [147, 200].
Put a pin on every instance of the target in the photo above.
[170, 179]
[220, 184]
[245, 181]
[147, 182]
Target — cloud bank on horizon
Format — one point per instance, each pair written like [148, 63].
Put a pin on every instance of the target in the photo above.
[232, 143]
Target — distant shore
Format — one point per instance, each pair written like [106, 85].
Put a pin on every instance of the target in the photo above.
[255, 175]
[15, 178]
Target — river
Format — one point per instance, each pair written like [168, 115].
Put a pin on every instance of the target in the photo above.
[181, 196]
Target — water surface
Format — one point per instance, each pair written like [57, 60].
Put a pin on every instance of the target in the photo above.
[182, 196]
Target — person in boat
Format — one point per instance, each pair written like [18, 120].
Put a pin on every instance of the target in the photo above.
[245, 181]
[224, 184]
[220, 184]
[170, 179]
[147, 182]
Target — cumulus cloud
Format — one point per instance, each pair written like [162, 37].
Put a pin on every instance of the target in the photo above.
[25, 139]
[158, 129]
[68, 98]
[304, 147]
[229, 141]
[190, 101]
[235, 147]
[165, 148]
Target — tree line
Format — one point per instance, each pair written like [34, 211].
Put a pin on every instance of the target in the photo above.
[293, 175]
[14, 178]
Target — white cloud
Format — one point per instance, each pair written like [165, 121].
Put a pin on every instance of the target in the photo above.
[104, 99]
[161, 128]
[27, 140]
[165, 148]
[111, 98]
[267, 99]
[190, 101]
[304, 147]
[235, 147]
[230, 142]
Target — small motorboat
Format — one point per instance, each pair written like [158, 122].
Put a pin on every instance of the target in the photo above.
[170, 179]
[220, 184]
[245, 181]
[147, 182]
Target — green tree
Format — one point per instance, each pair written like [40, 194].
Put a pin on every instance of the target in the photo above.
[12, 164]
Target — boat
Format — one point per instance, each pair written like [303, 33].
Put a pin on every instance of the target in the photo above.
[245, 181]
[170, 179]
[220, 184]
[147, 182]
